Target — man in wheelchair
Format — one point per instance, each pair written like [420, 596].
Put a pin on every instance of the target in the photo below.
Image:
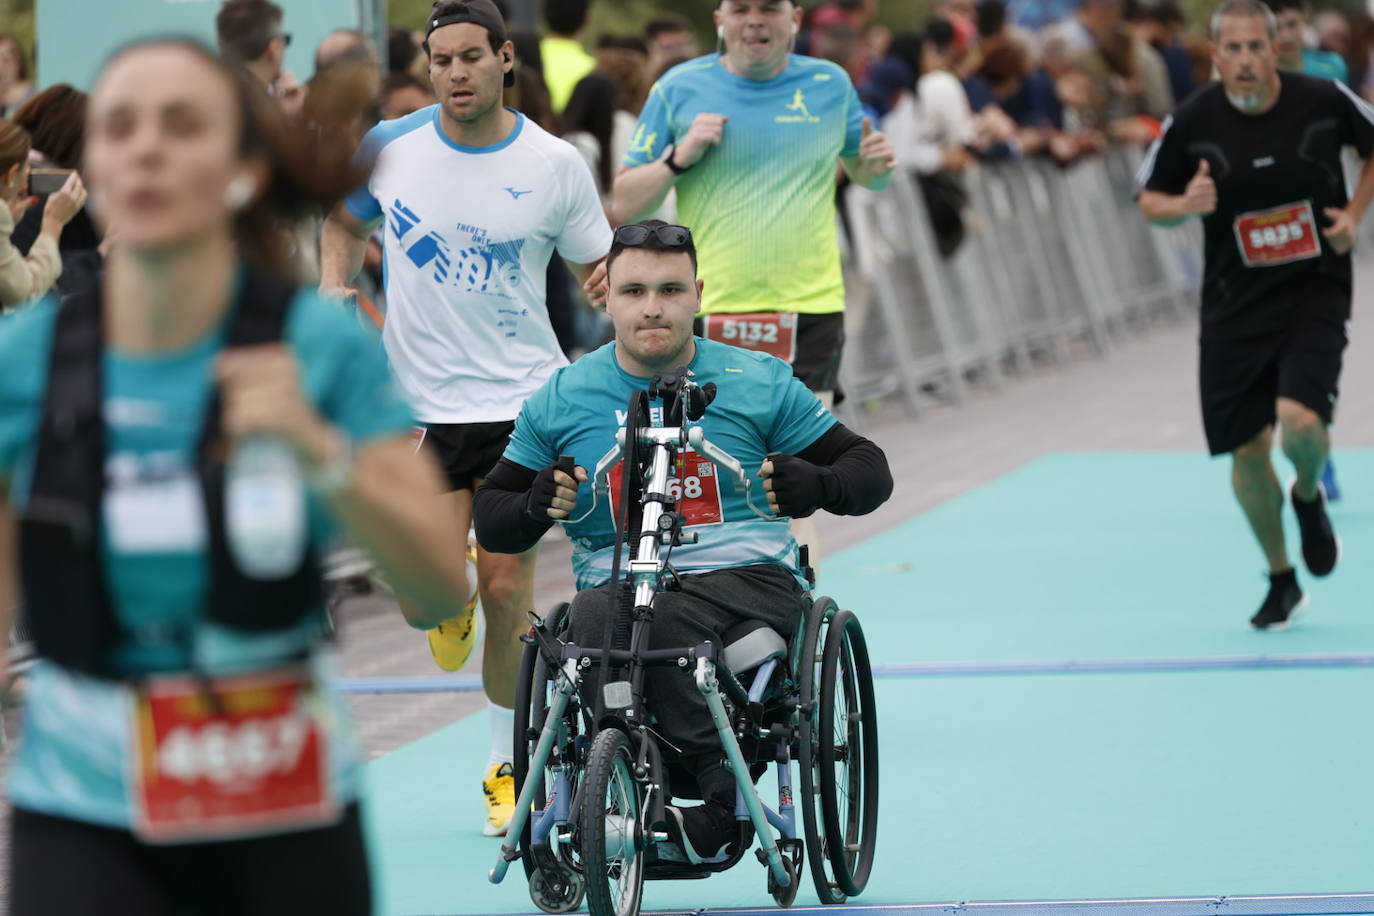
[743, 568]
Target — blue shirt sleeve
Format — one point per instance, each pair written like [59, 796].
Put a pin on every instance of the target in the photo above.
[362, 203]
[531, 444]
[344, 371]
[799, 417]
[854, 120]
[653, 133]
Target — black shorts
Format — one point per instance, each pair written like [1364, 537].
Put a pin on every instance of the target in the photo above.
[61, 867]
[1241, 379]
[468, 451]
[820, 343]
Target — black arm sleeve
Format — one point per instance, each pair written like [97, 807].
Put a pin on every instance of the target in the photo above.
[859, 466]
[500, 510]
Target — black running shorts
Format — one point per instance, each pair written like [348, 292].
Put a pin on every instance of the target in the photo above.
[468, 451]
[820, 343]
[1241, 379]
[61, 867]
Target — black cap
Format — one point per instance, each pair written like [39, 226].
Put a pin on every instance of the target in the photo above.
[477, 12]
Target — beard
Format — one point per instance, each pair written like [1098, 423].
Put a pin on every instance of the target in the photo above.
[1247, 102]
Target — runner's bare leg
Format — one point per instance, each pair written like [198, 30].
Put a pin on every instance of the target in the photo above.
[1257, 490]
[1307, 443]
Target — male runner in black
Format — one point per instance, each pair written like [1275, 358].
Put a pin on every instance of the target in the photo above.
[1258, 158]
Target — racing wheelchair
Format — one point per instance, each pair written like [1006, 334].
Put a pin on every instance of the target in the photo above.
[593, 776]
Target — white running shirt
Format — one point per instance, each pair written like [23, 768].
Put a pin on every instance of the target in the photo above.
[468, 236]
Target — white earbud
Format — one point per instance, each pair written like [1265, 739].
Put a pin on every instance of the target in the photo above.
[795, 29]
[240, 191]
[720, 33]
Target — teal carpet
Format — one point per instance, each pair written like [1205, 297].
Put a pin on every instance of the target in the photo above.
[1016, 788]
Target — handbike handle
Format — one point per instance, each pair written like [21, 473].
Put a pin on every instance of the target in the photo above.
[696, 437]
[601, 477]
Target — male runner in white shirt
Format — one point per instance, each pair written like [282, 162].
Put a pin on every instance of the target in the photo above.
[476, 198]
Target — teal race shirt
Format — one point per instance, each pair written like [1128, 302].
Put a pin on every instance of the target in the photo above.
[74, 754]
[761, 205]
[760, 407]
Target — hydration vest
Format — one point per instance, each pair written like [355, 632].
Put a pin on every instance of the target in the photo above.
[67, 604]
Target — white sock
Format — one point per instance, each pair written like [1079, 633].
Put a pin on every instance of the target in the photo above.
[502, 735]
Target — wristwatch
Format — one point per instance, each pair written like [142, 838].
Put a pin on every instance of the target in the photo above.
[673, 166]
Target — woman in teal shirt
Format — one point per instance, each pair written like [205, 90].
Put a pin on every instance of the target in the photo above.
[182, 749]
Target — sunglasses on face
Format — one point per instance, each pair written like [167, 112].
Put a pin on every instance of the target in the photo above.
[670, 236]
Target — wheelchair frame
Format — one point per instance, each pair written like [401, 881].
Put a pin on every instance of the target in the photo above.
[566, 844]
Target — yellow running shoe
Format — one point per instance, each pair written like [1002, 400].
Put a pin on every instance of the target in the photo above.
[499, 787]
[451, 642]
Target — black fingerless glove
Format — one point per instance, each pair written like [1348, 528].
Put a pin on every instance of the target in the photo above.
[802, 487]
[540, 498]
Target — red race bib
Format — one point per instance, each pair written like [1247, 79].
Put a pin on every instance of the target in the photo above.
[774, 333]
[258, 764]
[1278, 236]
[694, 486]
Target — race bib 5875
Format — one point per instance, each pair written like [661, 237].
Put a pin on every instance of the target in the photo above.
[1280, 235]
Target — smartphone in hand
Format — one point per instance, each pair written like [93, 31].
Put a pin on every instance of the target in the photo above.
[47, 181]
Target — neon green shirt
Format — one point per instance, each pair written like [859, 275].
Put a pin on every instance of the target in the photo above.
[565, 63]
[761, 205]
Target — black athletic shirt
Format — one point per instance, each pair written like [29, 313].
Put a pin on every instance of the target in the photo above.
[1271, 171]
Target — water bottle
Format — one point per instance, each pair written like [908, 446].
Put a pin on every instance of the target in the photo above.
[265, 516]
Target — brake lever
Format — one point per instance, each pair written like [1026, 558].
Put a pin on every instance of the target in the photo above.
[735, 474]
[600, 478]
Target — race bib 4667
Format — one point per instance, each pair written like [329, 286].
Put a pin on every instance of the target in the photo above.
[1280, 235]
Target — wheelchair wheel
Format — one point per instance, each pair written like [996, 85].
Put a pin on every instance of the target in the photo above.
[531, 709]
[848, 758]
[808, 673]
[610, 827]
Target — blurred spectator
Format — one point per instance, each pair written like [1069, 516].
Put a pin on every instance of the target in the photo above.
[1128, 85]
[346, 46]
[670, 38]
[55, 119]
[1160, 24]
[401, 50]
[589, 125]
[402, 95]
[1360, 56]
[250, 35]
[15, 85]
[530, 94]
[25, 276]
[1333, 32]
[1035, 15]
[626, 60]
[1294, 54]
[930, 123]
[565, 60]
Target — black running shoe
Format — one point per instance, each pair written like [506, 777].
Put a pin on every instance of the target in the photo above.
[1320, 546]
[707, 833]
[1284, 602]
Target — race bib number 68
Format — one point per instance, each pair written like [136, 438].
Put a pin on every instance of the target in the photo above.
[1281, 235]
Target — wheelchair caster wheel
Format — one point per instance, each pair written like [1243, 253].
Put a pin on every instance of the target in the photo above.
[786, 896]
[556, 891]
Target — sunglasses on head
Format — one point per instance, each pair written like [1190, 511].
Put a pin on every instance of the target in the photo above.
[670, 236]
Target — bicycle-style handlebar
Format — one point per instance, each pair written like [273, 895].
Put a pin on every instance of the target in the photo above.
[663, 437]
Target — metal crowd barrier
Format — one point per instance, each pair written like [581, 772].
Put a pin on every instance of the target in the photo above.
[1056, 262]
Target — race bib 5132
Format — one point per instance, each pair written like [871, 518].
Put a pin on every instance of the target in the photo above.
[774, 333]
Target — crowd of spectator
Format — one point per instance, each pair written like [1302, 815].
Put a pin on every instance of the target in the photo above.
[978, 80]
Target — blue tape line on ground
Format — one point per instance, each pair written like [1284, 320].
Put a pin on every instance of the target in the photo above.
[470, 682]
[1239, 905]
